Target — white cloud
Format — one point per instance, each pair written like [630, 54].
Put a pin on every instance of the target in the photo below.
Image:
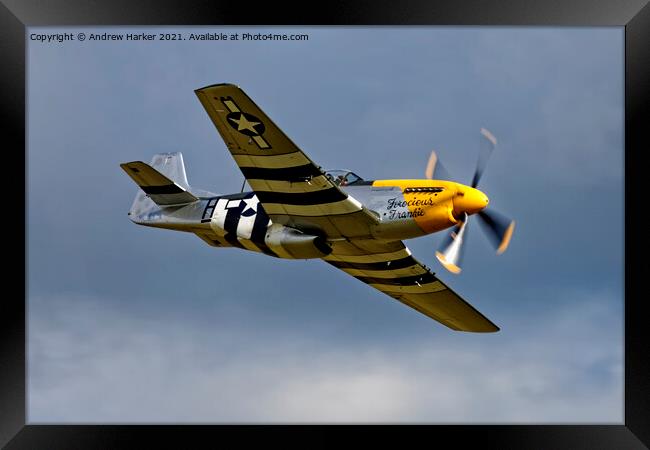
[91, 361]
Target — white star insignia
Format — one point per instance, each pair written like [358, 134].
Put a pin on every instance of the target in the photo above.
[251, 203]
[245, 124]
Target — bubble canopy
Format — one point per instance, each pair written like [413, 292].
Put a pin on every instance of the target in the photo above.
[342, 177]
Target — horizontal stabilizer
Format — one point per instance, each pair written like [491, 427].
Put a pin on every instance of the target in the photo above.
[157, 186]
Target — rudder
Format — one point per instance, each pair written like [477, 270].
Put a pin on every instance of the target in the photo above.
[172, 166]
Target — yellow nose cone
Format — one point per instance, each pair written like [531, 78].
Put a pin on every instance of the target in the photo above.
[469, 200]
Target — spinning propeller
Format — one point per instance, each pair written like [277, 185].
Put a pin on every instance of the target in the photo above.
[497, 227]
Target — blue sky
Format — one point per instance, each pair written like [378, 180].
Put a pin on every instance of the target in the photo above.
[130, 324]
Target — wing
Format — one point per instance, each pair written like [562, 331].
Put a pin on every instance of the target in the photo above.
[390, 268]
[292, 189]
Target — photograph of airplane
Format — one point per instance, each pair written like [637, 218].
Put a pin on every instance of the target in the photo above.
[369, 225]
[299, 211]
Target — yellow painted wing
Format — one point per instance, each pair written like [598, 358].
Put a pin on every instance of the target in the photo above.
[390, 268]
[293, 190]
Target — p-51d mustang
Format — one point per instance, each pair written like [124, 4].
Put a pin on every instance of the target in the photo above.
[298, 211]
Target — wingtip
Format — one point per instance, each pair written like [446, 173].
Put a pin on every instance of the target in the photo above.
[484, 328]
[215, 85]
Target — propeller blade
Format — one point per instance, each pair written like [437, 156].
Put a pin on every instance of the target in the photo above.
[431, 165]
[489, 136]
[484, 156]
[435, 170]
[451, 252]
[498, 228]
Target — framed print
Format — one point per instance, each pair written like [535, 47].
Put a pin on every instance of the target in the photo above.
[128, 332]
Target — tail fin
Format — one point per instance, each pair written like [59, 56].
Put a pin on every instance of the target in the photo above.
[172, 166]
[158, 187]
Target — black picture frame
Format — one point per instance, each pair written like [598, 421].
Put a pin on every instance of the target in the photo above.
[634, 15]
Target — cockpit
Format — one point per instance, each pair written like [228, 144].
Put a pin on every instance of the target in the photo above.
[343, 177]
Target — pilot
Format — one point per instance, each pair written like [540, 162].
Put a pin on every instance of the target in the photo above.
[342, 180]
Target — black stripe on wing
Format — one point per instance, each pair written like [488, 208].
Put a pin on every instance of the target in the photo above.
[329, 195]
[401, 281]
[297, 173]
[383, 265]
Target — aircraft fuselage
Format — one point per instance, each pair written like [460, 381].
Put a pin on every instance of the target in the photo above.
[404, 209]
